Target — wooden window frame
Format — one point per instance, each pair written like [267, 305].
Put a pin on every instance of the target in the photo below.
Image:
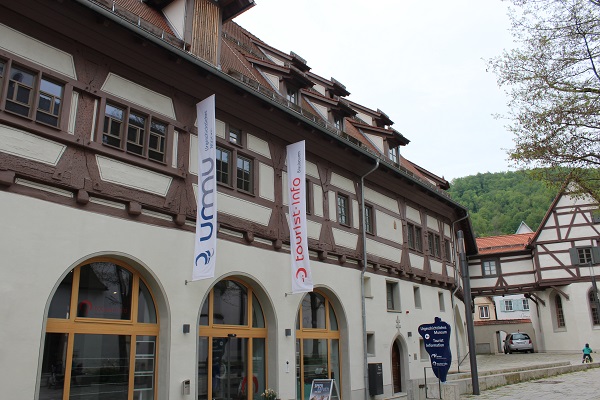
[417, 297]
[343, 211]
[414, 236]
[418, 239]
[394, 154]
[369, 219]
[39, 74]
[594, 308]
[328, 334]
[559, 312]
[233, 170]
[392, 296]
[292, 94]
[75, 325]
[447, 250]
[496, 267]
[150, 117]
[213, 330]
[434, 244]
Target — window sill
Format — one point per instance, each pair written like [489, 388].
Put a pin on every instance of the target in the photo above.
[394, 311]
[121, 155]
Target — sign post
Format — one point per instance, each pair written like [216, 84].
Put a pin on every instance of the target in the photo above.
[437, 343]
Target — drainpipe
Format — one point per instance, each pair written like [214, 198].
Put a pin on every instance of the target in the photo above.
[454, 292]
[469, 317]
[362, 275]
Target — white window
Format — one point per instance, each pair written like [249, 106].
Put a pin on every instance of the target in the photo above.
[392, 296]
[526, 304]
[484, 312]
[371, 344]
[489, 268]
[417, 295]
[508, 305]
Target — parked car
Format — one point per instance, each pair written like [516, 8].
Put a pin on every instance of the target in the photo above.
[517, 341]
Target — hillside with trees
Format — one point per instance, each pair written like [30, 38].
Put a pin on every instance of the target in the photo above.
[498, 202]
[552, 81]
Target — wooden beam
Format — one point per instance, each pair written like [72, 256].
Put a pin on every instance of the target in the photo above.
[536, 299]
[566, 296]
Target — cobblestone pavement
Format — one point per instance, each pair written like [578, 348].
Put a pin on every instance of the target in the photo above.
[583, 385]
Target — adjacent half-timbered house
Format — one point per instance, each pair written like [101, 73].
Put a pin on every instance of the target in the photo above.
[554, 267]
[98, 187]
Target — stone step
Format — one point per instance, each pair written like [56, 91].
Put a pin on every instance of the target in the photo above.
[467, 374]
[498, 378]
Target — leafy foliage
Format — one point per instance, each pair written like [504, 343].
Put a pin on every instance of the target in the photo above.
[553, 82]
[498, 202]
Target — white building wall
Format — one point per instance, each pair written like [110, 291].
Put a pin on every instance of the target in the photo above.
[55, 238]
[578, 330]
[517, 311]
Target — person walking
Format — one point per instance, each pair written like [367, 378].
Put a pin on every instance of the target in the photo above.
[587, 353]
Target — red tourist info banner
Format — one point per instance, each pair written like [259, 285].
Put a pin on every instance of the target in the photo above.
[296, 166]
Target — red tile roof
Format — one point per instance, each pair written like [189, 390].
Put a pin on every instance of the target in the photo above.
[504, 243]
[147, 13]
[240, 47]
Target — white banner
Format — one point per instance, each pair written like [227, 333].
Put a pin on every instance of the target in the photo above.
[206, 216]
[296, 164]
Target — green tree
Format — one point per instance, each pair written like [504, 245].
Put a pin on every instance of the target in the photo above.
[499, 202]
[553, 82]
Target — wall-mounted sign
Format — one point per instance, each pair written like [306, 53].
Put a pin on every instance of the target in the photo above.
[436, 337]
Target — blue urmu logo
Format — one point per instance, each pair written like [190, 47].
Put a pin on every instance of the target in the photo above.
[206, 214]
[206, 256]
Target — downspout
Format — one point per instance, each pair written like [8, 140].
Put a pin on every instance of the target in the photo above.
[456, 290]
[362, 275]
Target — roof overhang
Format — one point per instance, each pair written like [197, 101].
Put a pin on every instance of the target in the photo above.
[158, 4]
[233, 8]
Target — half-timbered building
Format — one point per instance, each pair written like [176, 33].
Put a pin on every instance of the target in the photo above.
[555, 267]
[98, 187]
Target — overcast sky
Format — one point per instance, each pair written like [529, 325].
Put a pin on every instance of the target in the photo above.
[420, 62]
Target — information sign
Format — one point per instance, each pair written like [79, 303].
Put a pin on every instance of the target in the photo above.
[323, 389]
[436, 337]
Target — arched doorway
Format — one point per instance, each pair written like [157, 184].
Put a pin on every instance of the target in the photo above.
[101, 335]
[317, 343]
[232, 344]
[396, 368]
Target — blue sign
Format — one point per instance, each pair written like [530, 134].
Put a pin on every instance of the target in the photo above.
[436, 337]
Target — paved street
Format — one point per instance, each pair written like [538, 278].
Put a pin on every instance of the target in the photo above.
[517, 360]
[584, 385]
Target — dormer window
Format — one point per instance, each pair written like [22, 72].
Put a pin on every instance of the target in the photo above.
[292, 95]
[235, 136]
[394, 154]
[338, 121]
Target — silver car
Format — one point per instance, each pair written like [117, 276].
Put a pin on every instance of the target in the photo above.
[517, 341]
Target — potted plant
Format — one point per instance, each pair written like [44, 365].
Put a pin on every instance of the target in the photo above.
[269, 394]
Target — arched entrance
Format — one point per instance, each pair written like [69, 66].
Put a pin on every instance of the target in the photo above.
[232, 344]
[398, 366]
[101, 335]
[317, 343]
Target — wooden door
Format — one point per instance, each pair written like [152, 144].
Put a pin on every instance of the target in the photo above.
[396, 369]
